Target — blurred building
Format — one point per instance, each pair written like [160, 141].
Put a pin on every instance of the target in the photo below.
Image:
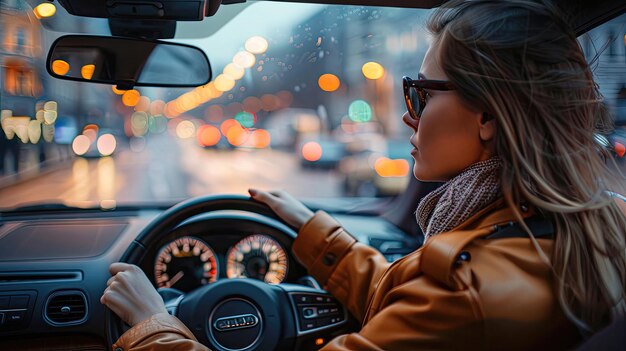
[20, 76]
[25, 86]
[20, 49]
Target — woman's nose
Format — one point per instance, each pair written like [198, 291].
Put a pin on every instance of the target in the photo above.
[409, 121]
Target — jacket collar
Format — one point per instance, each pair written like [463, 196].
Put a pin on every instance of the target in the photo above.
[441, 253]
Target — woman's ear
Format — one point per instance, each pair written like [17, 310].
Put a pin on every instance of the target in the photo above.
[487, 127]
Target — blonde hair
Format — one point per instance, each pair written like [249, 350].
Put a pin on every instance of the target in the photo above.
[520, 62]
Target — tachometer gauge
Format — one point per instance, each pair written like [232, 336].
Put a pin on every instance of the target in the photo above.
[258, 257]
[185, 264]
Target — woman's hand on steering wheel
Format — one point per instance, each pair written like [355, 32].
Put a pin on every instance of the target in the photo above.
[130, 294]
[286, 206]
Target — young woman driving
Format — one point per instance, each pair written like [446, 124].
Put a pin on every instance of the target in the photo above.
[505, 111]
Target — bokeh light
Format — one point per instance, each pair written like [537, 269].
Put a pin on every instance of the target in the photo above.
[224, 82]
[262, 138]
[252, 104]
[91, 126]
[237, 135]
[50, 105]
[214, 113]
[373, 70]
[20, 124]
[60, 67]
[227, 124]
[360, 111]
[256, 45]
[246, 119]
[47, 131]
[34, 131]
[91, 134]
[49, 116]
[212, 90]
[244, 59]
[234, 71]
[139, 123]
[80, 145]
[87, 71]
[328, 82]
[117, 91]
[156, 107]
[285, 97]
[143, 104]
[391, 168]
[270, 102]
[170, 110]
[131, 98]
[157, 124]
[106, 144]
[312, 151]
[620, 149]
[208, 135]
[185, 129]
[44, 10]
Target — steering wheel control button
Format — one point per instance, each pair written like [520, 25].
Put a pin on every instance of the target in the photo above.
[317, 311]
[323, 311]
[235, 324]
[309, 312]
[302, 298]
[18, 302]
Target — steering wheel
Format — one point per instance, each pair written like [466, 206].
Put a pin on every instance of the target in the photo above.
[238, 314]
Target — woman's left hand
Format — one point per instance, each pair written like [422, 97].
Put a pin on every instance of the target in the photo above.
[130, 294]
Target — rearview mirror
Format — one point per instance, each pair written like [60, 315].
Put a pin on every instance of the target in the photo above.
[127, 62]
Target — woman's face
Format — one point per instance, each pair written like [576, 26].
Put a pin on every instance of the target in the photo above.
[448, 137]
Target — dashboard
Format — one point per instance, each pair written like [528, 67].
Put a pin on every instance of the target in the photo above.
[49, 259]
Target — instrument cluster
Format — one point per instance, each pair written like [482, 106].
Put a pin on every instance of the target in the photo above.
[188, 262]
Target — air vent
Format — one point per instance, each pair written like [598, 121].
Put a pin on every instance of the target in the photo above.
[66, 308]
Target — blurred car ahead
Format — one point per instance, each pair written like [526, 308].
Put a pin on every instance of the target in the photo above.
[377, 171]
[321, 153]
[94, 142]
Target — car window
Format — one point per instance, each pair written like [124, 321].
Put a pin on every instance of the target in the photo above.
[605, 50]
[309, 101]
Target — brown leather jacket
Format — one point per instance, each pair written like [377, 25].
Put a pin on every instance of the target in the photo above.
[502, 297]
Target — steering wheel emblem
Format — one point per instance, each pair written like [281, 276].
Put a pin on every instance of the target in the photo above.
[236, 322]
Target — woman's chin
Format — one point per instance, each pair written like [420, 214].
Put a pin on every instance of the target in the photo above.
[423, 175]
[420, 174]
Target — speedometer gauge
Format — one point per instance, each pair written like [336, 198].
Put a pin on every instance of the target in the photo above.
[258, 257]
[185, 264]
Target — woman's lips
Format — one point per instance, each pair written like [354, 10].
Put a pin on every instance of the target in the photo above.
[413, 152]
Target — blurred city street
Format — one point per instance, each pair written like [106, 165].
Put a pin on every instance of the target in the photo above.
[168, 169]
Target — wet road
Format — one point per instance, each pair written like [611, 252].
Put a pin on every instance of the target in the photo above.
[168, 169]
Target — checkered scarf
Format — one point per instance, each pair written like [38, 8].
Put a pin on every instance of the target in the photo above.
[459, 198]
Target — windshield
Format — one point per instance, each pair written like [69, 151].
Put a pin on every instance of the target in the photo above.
[309, 101]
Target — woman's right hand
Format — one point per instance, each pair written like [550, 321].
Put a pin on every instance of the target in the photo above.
[286, 206]
[130, 294]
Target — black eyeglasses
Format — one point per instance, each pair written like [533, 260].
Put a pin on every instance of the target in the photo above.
[415, 95]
